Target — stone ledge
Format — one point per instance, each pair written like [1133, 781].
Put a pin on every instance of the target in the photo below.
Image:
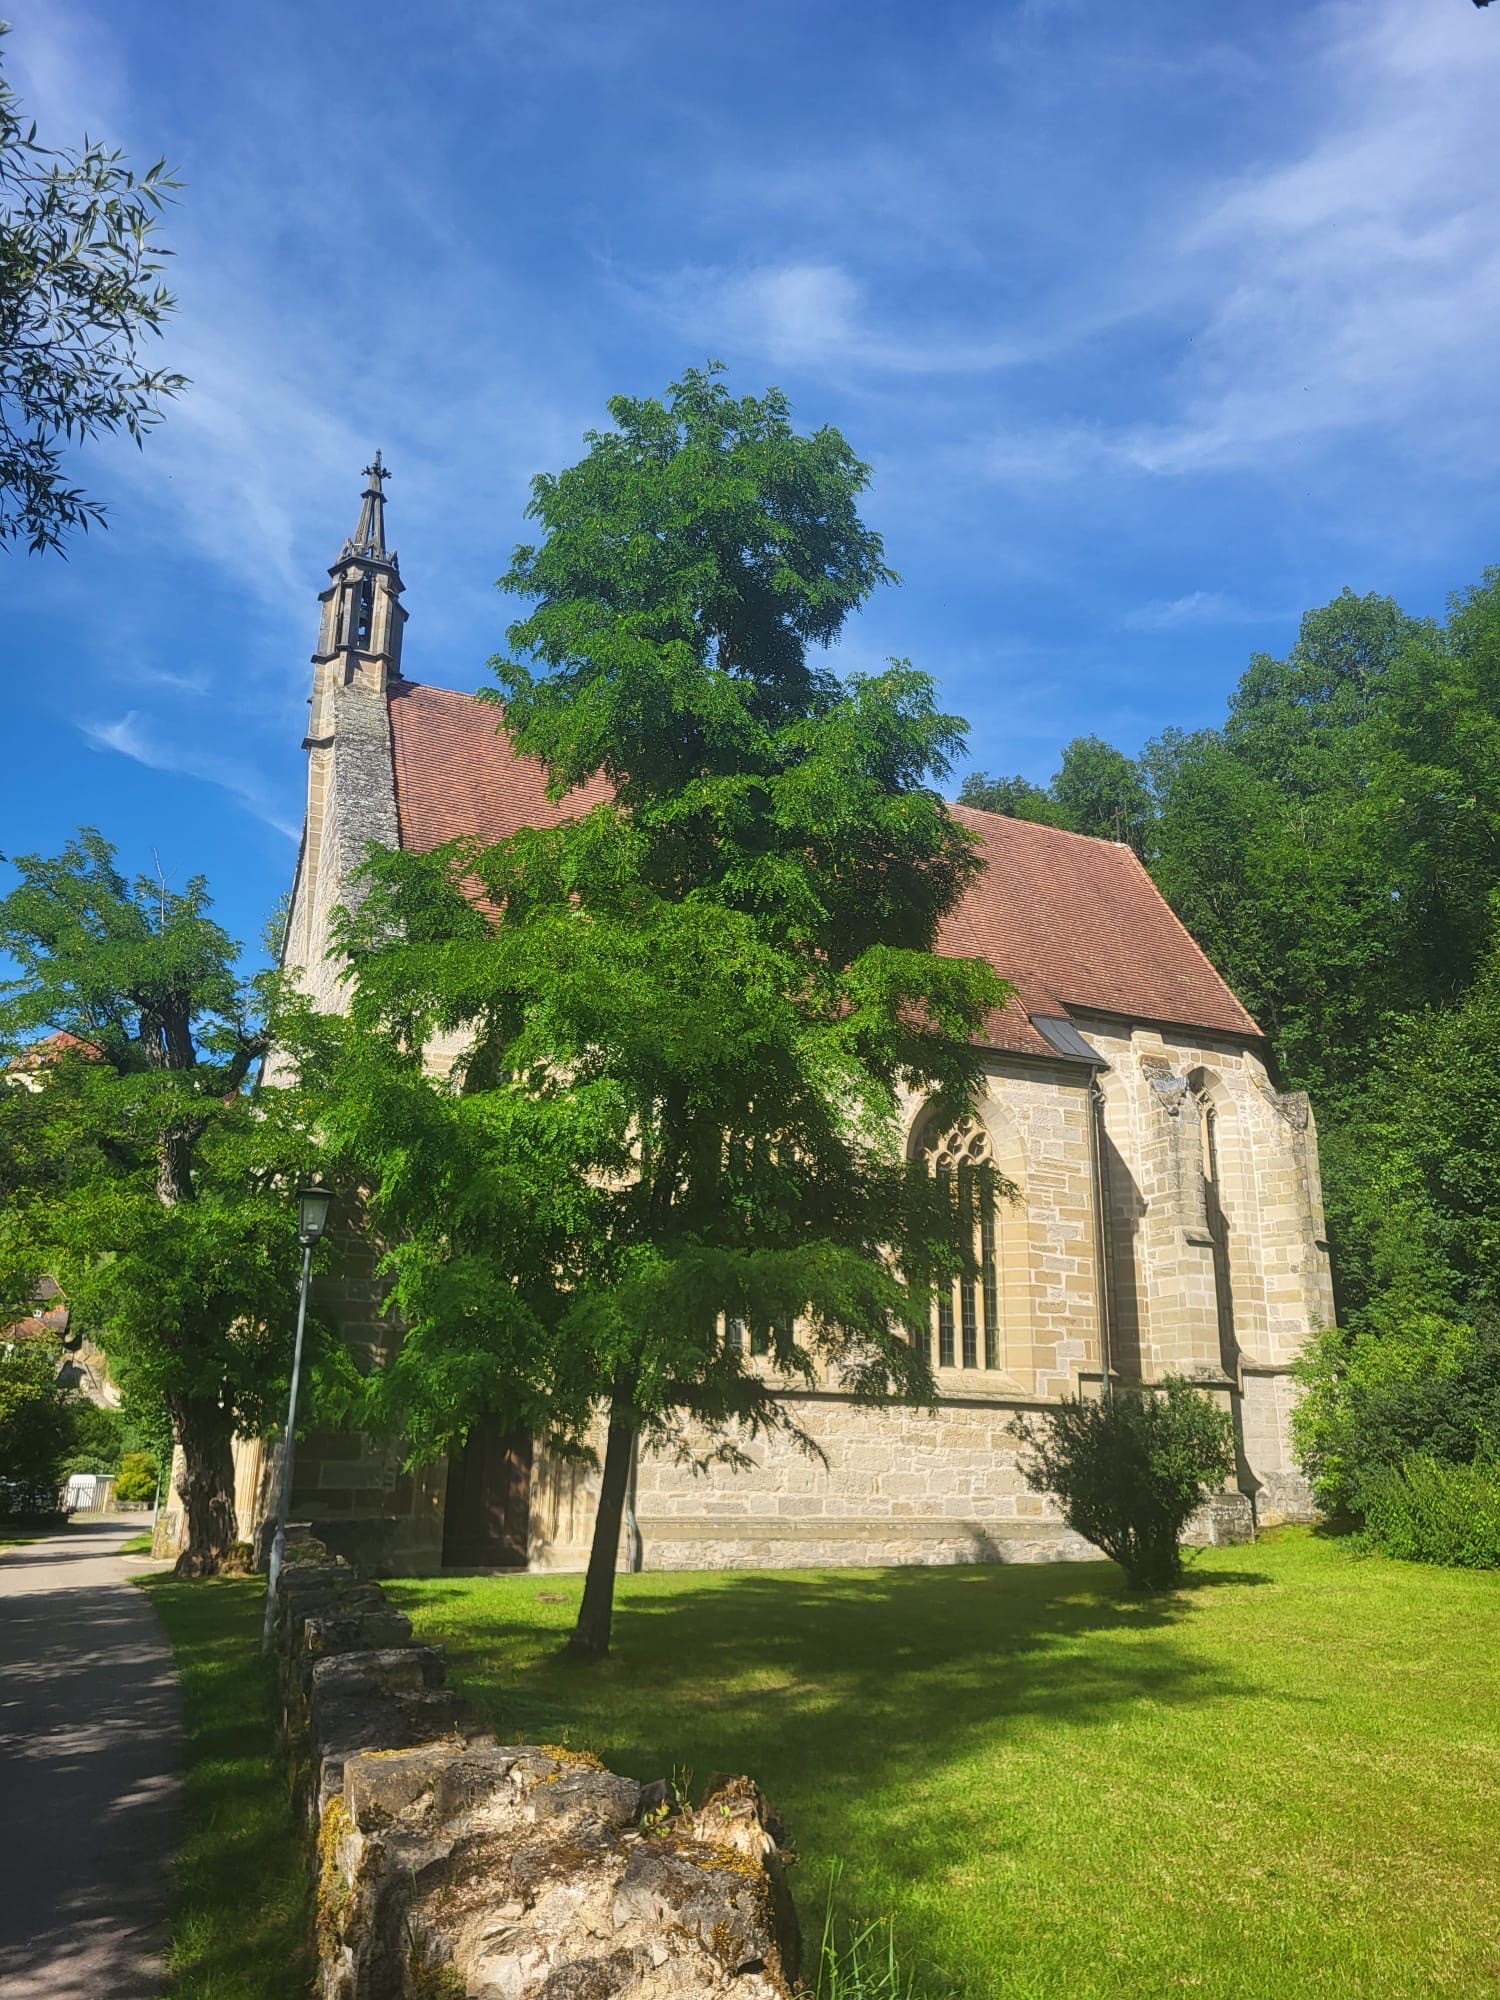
[451, 1864]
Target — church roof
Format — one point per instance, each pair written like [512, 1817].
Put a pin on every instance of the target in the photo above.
[1075, 924]
[1078, 927]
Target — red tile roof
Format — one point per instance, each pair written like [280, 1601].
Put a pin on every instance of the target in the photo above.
[48, 1047]
[1077, 925]
[36, 1325]
[457, 775]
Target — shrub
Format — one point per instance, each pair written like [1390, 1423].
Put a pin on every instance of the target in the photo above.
[1425, 1511]
[1130, 1472]
[137, 1477]
[1414, 1385]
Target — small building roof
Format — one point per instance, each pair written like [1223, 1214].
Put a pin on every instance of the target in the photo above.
[1075, 924]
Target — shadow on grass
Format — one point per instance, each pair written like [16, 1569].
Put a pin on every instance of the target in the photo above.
[241, 1915]
[847, 1695]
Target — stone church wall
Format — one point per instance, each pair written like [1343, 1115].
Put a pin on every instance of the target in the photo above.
[1231, 1309]
[1211, 1262]
[1222, 1284]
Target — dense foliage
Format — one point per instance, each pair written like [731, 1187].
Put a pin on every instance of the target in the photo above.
[33, 1422]
[1433, 1510]
[1410, 1385]
[1131, 1470]
[1335, 847]
[80, 289]
[665, 1172]
[47, 1429]
[144, 1180]
[138, 1478]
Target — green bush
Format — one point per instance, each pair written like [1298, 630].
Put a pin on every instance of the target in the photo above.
[137, 1477]
[1414, 1385]
[1130, 1472]
[1425, 1511]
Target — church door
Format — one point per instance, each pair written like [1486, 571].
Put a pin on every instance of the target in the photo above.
[486, 1519]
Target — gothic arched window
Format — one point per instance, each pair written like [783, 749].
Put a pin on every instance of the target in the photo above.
[1215, 1220]
[969, 1333]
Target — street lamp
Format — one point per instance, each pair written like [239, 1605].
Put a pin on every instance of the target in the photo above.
[312, 1219]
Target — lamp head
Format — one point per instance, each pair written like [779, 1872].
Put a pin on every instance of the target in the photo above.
[313, 1204]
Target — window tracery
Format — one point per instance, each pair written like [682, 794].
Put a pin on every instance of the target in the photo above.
[967, 1314]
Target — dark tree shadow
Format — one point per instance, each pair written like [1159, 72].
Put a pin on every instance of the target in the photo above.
[835, 1691]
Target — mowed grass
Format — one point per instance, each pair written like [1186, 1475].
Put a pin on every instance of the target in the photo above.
[241, 1918]
[1282, 1781]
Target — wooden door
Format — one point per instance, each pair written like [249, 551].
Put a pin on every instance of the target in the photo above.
[487, 1516]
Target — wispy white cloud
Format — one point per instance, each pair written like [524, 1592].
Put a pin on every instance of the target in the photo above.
[814, 315]
[1342, 286]
[1176, 614]
[1349, 288]
[129, 736]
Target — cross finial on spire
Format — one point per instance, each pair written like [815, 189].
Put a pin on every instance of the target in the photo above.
[368, 539]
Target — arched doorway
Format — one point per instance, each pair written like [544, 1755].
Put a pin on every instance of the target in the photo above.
[487, 1515]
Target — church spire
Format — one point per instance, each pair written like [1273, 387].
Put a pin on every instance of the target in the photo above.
[368, 539]
[359, 639]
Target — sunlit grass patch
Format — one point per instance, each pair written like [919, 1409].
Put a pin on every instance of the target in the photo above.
[1283, 1780]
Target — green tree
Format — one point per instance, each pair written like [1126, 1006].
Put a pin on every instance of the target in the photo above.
[33, 1422]
[1295, 721]
[95, 1437]
[80, 289]
[1413, 1162]
[1015, 798]
[1408, 1384]
[1102, 792]
[139, 1477]
[161, 1210]
[665, 1174]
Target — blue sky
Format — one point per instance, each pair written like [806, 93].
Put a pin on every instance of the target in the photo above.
[1157, 323]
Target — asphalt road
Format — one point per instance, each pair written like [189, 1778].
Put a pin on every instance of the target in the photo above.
[90, 1757]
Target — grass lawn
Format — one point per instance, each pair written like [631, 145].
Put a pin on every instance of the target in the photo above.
[138, 1545]
[241, 1910]
[1282, 1782]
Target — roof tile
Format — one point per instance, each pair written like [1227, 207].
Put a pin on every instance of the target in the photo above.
[1076, 925]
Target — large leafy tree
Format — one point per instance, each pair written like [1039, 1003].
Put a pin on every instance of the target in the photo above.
[1013, 798]
[665, 1174]
[80, 291]
[150, 1188]
[1096, 790]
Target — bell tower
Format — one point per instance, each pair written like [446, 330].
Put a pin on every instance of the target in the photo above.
[359, 635]
[350, 784]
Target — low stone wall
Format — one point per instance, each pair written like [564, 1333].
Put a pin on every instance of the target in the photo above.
[452, 1865]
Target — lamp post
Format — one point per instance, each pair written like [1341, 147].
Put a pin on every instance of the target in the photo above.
[312, 1219]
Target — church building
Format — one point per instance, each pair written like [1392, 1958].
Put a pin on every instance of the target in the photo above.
[1166, 1215]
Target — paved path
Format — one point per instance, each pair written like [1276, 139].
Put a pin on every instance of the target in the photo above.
[90, 1751]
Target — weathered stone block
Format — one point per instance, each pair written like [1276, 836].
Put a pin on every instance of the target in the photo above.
[520, 1874]
[338, 1630]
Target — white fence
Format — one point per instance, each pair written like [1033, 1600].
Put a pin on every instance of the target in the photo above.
[89, 1493]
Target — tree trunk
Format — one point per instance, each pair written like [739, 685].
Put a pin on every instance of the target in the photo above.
[590, 1640]
[205, 1483]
